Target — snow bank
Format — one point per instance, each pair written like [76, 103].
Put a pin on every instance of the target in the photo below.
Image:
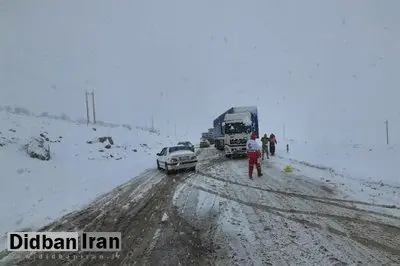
[36, 192]
[370, 163]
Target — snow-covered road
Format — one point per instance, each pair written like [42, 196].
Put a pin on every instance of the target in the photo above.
[217, 216]
[285, 219]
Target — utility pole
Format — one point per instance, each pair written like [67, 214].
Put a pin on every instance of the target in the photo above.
[87, 109]
[387, 131]
[93, 107]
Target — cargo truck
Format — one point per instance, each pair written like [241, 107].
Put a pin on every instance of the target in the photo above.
[232, 129]
[219, 134]
[238, 125]
[209, 136]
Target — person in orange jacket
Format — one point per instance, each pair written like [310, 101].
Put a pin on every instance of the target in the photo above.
[253, 154]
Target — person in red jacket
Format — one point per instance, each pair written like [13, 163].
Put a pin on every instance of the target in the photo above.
[253, 154]
[272, 143]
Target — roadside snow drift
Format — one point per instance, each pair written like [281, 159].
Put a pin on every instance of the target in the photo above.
[365, 172]
[50, 167]
[369, 162]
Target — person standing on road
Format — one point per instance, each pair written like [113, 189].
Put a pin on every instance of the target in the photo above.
[253, 154]
[264, 141]
[272, 142]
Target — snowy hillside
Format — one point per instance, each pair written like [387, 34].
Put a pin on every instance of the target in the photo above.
[35, 192]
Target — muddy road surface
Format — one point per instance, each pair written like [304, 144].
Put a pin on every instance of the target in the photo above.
[217, 216]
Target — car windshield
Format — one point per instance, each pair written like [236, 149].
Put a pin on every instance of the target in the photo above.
[237, 128]
[184, 143]
[178, 148]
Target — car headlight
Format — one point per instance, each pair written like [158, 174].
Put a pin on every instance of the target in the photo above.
[173, 160]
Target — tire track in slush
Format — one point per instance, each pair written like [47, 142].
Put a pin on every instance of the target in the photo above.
[292, 236]
[312, 213]
[326, 200]
[279, 212]
[208, 224]
[139, 223]
[269, 243]
[254, 223]
[317, 199]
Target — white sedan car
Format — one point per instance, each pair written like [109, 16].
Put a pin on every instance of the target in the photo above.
[176, 158]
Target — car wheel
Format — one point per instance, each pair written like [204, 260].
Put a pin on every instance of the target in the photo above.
[167, 170]
[193, 169]
[158, 165]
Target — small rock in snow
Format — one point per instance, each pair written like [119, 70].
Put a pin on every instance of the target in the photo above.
[37, 148]
[102, 139]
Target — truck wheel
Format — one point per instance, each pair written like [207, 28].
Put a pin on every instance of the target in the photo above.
[158, 165]
[167, 170]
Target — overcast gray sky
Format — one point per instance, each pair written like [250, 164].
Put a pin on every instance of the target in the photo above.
[319, 66]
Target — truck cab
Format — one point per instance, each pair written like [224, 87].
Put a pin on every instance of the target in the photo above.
[232, 127]
[237, 129]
